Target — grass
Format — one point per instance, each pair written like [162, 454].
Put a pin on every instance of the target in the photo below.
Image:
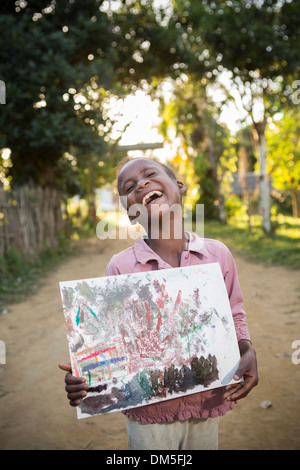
[21, 277]
[280, 248]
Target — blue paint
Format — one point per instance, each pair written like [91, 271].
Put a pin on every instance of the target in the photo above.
[103, 363]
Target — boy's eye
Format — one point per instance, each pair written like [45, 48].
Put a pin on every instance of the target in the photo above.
[129, 188]
[151, 173]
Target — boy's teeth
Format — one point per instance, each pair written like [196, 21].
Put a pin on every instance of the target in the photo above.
[145, 198]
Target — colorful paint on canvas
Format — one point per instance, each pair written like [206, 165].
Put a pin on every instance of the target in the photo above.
[146, 337]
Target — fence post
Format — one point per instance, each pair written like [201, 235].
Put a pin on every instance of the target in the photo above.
[28, 217]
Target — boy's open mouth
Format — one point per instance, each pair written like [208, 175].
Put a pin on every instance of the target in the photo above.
[151, 197]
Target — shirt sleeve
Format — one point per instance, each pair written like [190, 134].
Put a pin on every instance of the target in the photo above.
[236, 299]
[112, 268]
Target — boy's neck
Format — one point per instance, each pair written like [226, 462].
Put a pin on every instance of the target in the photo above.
[169, 249]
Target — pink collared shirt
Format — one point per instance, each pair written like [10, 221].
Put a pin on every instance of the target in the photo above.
[140, 258]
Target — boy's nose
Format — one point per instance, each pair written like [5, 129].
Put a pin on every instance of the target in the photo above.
[142, 184]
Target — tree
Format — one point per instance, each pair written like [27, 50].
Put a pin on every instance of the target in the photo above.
[283, 138]
[46, 70]
[58, 59]
[193, 116]
[255, 41]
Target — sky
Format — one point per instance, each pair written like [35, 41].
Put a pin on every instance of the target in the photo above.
[144, 114]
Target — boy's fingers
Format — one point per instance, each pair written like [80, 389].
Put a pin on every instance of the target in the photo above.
[75, 403]
[71, 380]
[76, 396]
[241, 370]
[240, 390]
[230, 389]
[234, 393]
[76, 388]
[65, 367]
[239, 373]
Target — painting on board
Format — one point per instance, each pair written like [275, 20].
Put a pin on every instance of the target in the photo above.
[147, 337]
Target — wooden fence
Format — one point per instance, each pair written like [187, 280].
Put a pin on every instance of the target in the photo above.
[30, 219]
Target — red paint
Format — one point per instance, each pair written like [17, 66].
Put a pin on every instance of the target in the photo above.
[159, 303]
[148, 314]
[178, 300]
[101, 351]
[159, 322]
[137, 311]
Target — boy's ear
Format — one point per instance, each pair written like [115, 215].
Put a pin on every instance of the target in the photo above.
[181, 186]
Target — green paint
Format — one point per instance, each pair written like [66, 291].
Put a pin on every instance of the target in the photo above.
[196, 327]
[146, 390]
[90, 377]
[78, 316]
[93, 313]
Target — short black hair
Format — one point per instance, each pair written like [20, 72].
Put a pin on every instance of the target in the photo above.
[170, 172]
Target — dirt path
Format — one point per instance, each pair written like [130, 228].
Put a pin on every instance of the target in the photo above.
[34, 413]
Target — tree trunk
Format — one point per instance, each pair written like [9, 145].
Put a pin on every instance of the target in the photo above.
[296, 203]
[209, 131]
[265, 200]
[243, 169]
[213, 161]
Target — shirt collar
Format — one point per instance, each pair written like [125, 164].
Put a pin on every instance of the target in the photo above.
[144, 253]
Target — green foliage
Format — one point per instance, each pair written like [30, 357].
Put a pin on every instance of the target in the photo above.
[40, 65]
[207, 193]
[247, 37]
[283, 140]
[212, 152]
[58, 60]
[235, 207]
[280, 249]
[255, 42]
[21, 276]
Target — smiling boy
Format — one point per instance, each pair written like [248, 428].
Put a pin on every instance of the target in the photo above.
[188, 422]
[153, 186]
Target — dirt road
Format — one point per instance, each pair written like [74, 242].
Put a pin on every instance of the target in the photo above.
[34, 412]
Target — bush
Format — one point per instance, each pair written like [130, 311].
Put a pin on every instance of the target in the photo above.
[20, 276]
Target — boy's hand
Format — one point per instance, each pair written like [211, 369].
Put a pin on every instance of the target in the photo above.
[75, 386]
[247, 369]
